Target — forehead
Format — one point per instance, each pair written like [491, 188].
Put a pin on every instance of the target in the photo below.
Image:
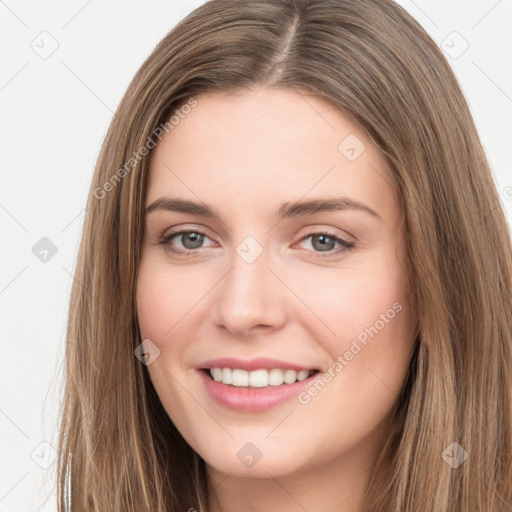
[250, 149]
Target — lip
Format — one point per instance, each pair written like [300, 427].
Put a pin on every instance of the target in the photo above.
[260, 363]
[252, 399]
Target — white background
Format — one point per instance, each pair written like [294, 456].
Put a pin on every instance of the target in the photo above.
[55, 113]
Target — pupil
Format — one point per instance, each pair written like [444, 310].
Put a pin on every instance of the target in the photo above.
[196, 238]
[323, 245]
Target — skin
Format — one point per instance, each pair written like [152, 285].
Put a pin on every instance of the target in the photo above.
[299, 301]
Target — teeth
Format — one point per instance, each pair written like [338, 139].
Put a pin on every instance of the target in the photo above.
[258, 378]
[216, 373]
[227, 377]
[304, 374]
[275, 377]
[240, 378]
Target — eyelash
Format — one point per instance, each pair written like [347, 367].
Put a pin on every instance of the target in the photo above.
[165, 241]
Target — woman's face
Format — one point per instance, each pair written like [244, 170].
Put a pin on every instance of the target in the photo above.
[294, 255]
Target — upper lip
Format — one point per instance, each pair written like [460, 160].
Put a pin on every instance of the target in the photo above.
[260, 363]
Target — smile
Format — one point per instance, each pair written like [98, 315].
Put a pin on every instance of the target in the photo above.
[258, 378]
[254, 389]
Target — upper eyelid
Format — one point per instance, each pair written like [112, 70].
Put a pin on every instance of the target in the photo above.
[180, 232]
[314, 230]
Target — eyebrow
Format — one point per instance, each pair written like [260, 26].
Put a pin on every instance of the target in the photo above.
[287, 209]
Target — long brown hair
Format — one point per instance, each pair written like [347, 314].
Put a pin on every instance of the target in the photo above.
[373, 61]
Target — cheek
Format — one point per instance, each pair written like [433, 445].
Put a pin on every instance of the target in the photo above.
[152, 302]
[365, 317]
[172, 304]
[162, 300]
[356, 299]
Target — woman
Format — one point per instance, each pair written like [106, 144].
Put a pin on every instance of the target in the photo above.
[294, 283]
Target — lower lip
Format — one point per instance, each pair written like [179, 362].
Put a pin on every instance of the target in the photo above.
[252, 399]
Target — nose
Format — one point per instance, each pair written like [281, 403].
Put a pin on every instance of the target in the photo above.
[250, 298]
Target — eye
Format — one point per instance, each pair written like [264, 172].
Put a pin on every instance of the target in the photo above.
[325, 242]
[190, 241]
